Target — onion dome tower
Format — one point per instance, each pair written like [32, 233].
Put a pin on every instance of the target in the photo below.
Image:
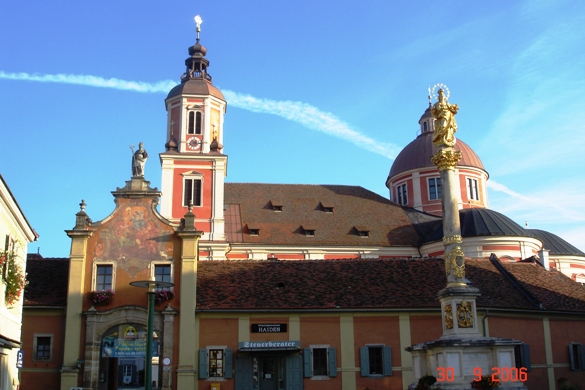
[193, 165]
[414, 181]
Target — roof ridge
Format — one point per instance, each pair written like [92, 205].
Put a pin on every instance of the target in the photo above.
[515, 282]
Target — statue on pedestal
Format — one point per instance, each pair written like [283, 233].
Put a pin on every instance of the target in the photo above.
[138, 160]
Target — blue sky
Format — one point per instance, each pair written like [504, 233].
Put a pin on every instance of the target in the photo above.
[319, 92]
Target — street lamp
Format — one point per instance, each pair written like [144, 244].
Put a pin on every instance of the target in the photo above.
[151, 285]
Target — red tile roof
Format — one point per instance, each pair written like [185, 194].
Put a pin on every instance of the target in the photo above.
[354, 284]
[47, 281]
[302, 208]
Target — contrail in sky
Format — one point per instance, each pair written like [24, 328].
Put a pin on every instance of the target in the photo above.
[302, 113]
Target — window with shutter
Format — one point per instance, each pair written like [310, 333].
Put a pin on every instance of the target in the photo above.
[375, 360]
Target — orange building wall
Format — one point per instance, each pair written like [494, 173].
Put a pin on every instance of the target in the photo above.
[46, 372]
[531, 332]
[562, 333]
[378, 330]
[425, 328]
[218, 331]
[322, 330]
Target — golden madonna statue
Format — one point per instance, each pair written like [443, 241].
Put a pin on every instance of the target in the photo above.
[445, 126]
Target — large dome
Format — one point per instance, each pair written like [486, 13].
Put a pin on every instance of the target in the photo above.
[418, 153]
[477, 222]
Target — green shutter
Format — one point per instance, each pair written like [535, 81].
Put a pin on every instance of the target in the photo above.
[244, 375]
[202, 364]
[308, 362]
[332, 362]
[525, 350]
[294, 372]
[387, 360]
[364, 361]
[228, 361]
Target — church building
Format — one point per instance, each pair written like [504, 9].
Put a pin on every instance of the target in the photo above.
[290, 286]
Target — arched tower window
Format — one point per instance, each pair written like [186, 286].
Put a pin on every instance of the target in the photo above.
[194, 122]
[198, 122]
[190, 126]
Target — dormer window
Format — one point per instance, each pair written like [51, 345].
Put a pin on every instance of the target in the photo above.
[254, 231]
[194, 123]
[328, 208]
[309, 231]
[362, 231]
[276, 205]
[425, 127]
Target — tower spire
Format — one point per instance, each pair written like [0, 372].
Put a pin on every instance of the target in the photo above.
[197, 64]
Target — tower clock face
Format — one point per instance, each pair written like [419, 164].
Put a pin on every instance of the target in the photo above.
[193, 143]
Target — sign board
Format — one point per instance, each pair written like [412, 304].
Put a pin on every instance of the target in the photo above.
[19, 358]
[269, 345]
[269, 328]
[127, 348]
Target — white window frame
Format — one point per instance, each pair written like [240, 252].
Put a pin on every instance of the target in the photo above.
[153, 266]
[192, 176]
[194, 122]
[472, 185]
[35, 345]
[94, 278]
[437, 185]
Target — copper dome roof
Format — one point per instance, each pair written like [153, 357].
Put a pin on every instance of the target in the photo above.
[418, 153]
[196, 87]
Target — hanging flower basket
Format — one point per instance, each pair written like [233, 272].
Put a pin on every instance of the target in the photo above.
[163, 296]
[101, 298]
[13, 277]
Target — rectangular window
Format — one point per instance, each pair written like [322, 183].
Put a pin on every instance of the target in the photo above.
[215, 362]
[320, 361]
[435, 188]
[472, 191]
[192, 192]
[577, 356]
[103, 279]
[42, 347]
[376, 360]
[162, 273]
[402, 195]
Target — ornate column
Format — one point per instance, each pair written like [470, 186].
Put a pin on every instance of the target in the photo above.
[457, 299]
[461, 349]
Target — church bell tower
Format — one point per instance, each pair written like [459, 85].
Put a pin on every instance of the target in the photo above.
[193, 165]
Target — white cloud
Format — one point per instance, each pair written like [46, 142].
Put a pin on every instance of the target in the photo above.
[302, 113]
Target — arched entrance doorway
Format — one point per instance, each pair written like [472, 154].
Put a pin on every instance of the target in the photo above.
[122, 358]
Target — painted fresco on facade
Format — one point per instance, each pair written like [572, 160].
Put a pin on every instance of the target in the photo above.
[133, 235]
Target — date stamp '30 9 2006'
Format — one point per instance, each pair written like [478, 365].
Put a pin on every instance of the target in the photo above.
[498, 374]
